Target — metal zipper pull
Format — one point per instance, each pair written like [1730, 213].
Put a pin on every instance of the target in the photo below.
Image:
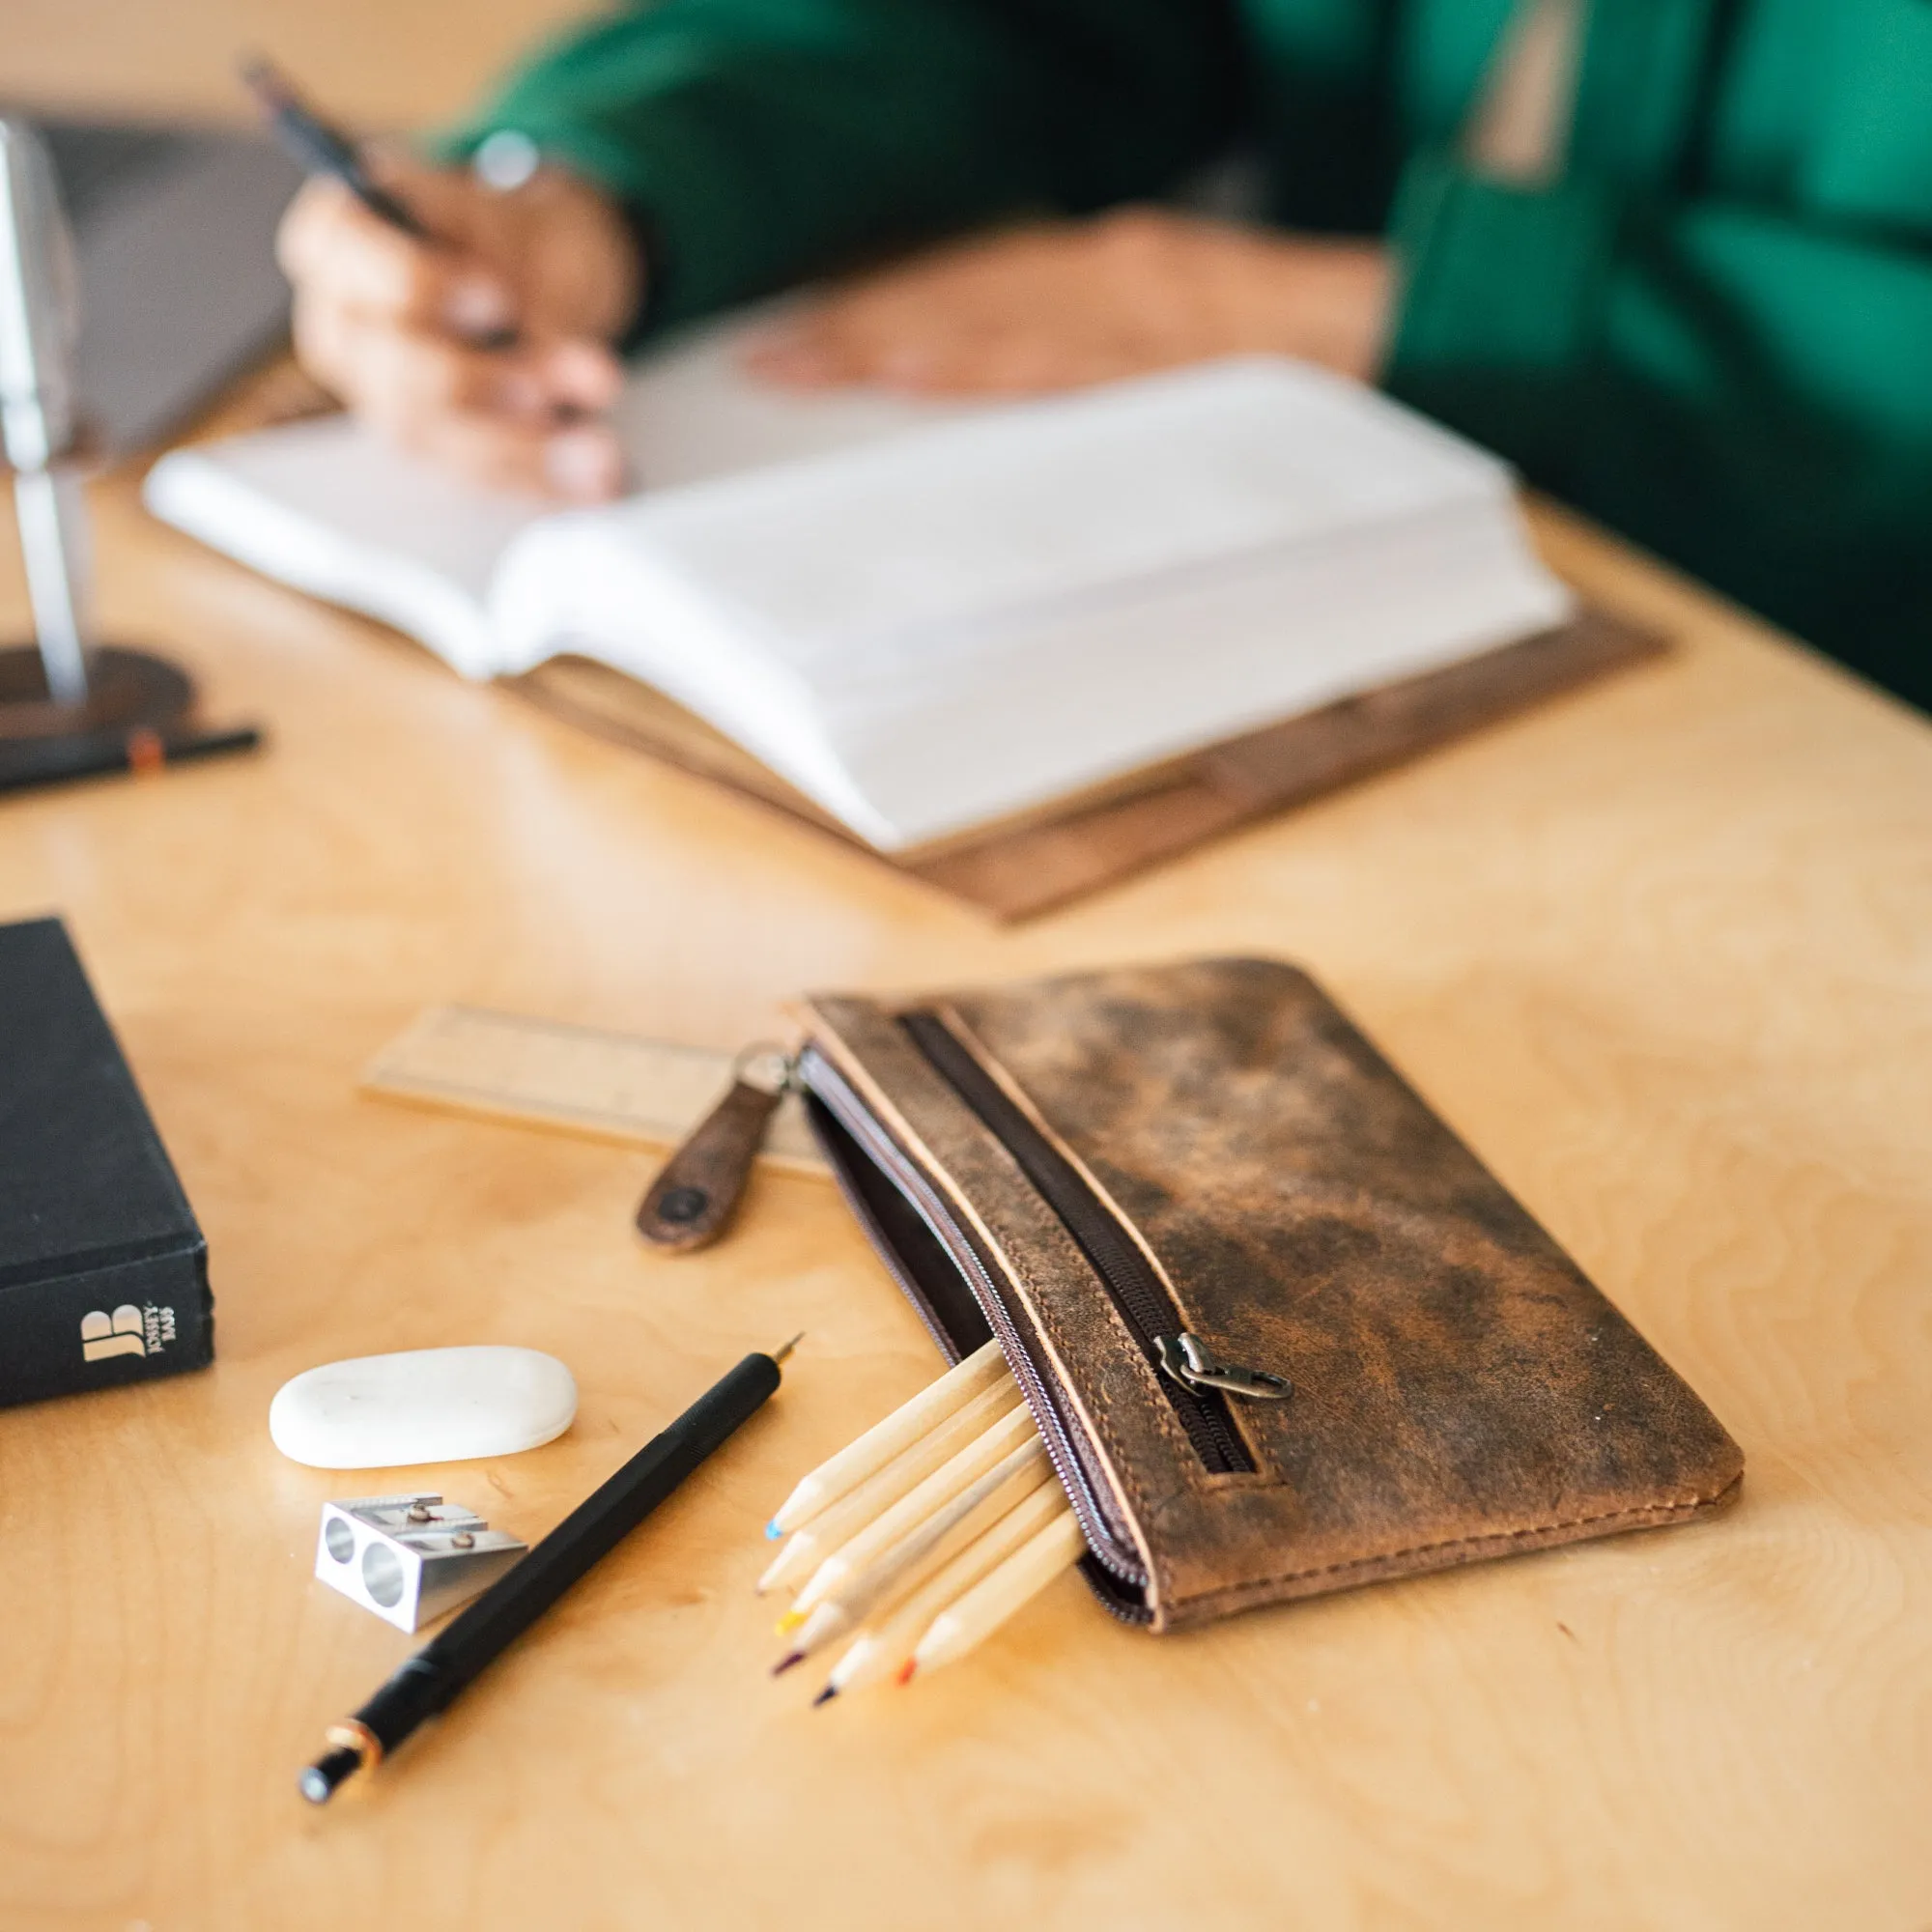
[1185, 1357]
[697, 1189]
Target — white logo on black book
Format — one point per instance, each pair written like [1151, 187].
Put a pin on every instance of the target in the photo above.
[121, 1333]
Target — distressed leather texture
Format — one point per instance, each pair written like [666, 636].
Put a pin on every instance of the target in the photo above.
[1461, 1389]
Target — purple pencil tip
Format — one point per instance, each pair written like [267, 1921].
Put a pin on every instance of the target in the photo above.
[787, 1661]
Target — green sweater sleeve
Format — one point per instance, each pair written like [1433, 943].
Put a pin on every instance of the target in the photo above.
[762, 140]
[1746, 392]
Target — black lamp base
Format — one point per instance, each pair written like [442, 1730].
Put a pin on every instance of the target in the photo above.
[126, 689]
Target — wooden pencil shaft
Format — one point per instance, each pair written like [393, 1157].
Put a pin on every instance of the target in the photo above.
[918, 1506]
[873, 1450]
[930, 1548]
[890, 1637]
[934, 1543]
[980, 1556]
[795, 1559]
[997, 1597]
[808, 1546]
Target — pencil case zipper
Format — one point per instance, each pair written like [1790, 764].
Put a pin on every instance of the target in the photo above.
[1123, 1580]
[1140, 1297]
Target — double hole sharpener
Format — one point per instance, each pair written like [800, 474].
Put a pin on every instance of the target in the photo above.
[410, 1558]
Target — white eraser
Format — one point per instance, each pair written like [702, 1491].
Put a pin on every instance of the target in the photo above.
[423, 1406]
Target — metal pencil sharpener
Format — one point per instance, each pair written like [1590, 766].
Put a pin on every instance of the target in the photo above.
[410, 1558]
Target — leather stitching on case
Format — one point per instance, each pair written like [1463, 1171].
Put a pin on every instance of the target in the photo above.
[1637, 1516]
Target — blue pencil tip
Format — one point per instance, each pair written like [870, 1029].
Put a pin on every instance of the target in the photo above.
[773, 1532]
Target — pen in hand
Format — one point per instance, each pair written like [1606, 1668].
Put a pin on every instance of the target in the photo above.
[466, 313]
[324, 149]
[321, 149]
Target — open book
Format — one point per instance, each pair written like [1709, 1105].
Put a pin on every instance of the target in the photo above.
[928, 618]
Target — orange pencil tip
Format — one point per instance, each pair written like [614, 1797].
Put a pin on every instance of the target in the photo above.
[906, 1670]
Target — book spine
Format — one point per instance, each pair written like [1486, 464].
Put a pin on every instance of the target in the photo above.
[102, 1327]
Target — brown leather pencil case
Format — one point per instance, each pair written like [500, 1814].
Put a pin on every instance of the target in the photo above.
[1282, 1332]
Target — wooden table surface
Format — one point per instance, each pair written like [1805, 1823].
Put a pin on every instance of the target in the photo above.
[1661, 951]
[379, 62]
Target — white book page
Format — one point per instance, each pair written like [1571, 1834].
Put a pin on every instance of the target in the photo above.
[332, 509]
[693, 412]
[880, 562]
[1089, 693]
[323, 506]
[977, 617]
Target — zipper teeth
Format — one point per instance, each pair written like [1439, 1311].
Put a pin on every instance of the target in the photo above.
[829, 1086]
[1136, 1291]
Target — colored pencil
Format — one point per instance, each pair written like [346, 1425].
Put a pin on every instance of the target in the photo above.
[808, 1548]
[910, 1561]
[959, 1472]
[887, 1642]
[872, 1451]
[994, 1598]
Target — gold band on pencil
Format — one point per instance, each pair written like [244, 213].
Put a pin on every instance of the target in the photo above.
[349, 1735]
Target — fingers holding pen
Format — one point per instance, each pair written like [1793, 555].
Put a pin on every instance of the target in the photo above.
[331, 245]
[401, 329]
[473, 329]
[552, 258]
[397, 372]
[520, 419]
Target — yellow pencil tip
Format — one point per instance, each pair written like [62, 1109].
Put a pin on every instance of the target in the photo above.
[788, 1623]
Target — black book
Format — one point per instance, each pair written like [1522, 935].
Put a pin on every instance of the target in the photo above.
[104, 1271]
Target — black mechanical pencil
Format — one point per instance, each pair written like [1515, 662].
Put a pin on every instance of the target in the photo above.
[434, 1676]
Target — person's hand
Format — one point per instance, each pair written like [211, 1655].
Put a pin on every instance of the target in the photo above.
[400, 329]
[1061, 304]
